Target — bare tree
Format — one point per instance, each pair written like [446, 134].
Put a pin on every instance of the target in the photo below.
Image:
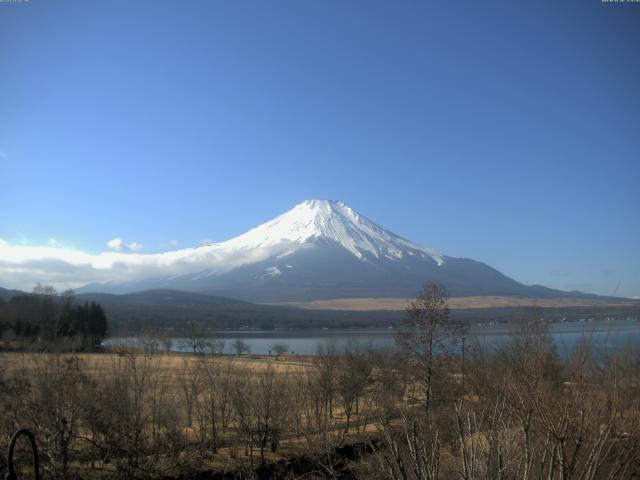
[189, 382]
[410, 452]
[120, 423]
[426, 333]
[327, 361]
[240, 346]
[215, 344]
[149, 340]
[167, 343]
[56, 408]
[354, 375]
[213, 403]
[391, 380]
[195, 336]
[279, 348]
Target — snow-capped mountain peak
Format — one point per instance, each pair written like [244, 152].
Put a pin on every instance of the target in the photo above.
[319, 249]
[314, 220]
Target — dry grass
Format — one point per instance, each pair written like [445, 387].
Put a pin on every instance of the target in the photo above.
[371, 304]
[167, 369]
[167, 365]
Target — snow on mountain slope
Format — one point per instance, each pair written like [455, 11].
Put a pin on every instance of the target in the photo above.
[308, 226]
[319, 249]
[323, 219]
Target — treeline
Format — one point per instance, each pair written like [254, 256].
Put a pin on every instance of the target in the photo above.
[45, 319]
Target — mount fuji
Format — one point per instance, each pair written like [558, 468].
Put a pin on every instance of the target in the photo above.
[322, 249]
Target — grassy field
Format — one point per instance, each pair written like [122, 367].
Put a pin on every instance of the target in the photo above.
[168, 365]
[184, 386]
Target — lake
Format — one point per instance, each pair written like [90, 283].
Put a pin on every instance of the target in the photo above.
[613, 333]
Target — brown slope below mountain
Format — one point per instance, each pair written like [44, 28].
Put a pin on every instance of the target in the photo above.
[366, 304]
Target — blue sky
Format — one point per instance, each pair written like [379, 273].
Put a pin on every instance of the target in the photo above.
[507, 132]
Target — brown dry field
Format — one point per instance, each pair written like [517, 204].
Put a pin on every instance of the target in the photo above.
[168, 365]
[368, 304]
[168, 368]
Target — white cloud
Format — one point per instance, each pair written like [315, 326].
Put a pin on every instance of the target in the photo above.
[119, 246]
[173, 243]
[22, 266]
[115, 244]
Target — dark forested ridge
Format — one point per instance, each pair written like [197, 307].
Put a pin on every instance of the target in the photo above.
[43, 318]
[173, 309]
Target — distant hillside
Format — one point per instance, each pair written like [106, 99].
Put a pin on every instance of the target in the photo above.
[6, 294]
[172, 308]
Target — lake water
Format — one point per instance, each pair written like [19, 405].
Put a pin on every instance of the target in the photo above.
[610, 334]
